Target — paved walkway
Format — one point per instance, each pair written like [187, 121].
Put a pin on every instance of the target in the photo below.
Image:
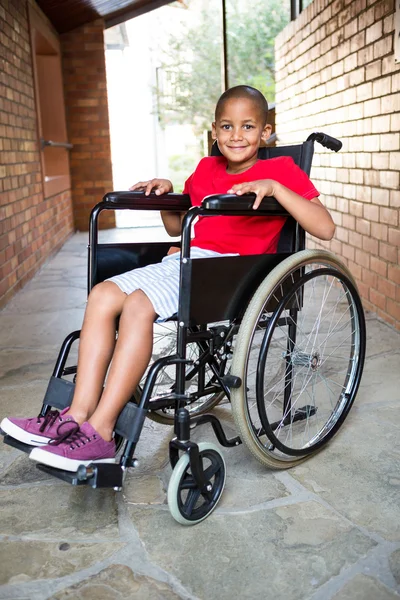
[327, 529]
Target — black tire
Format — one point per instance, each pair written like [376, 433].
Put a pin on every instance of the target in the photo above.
[300, 353]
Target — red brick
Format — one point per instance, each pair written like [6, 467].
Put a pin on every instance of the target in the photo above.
[379, 231]
[362, 258]
[388, 288]
[388, 252]
[393, 308]
[394, 236]
[379, 266]
[394, 274]
[377, 298]
[370, 245]
[369, 278]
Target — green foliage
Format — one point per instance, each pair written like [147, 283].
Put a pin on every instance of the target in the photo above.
[180, 166]
[191, 64]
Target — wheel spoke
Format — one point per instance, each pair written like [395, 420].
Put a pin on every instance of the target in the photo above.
[211, 471]
[188, 483]
[311, 364]
[191, 501]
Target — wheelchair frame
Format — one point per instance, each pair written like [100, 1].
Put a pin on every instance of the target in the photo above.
[238, 277]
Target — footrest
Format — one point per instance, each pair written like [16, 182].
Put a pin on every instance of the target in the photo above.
[10, 441]
[67, 476]
[104, 475]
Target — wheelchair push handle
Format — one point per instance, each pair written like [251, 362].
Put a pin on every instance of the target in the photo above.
[325, 140]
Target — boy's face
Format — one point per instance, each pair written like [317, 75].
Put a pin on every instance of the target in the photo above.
[239, 129]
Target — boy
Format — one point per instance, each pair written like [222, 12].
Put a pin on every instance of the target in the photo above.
[83, 433]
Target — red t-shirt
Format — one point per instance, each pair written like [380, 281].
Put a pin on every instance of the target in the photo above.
[242, 235]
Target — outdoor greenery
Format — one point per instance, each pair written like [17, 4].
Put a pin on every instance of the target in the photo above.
[189, 77]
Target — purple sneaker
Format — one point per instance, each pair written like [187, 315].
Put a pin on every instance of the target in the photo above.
[81, 446]
[36, 431]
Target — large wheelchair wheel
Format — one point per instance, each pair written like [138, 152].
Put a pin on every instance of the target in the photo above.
[300, 353]
[164, 344]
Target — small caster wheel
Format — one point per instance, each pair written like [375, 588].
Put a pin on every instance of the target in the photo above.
[187, 503]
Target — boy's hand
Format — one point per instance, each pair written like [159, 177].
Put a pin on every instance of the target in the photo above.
[159, 186]
[262, 188]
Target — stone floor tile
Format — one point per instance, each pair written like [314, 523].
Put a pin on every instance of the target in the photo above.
[23, 400]
[49, 299]
[145, 489]
[381, 338]
[378, 383]
[358, 473]
[19, 366]
[394, 563]
[152, 448]
[288, 552]
[23, 561]
[362, 587]
[46, 329]
[119, 582]
[59, 512]
[23, 471]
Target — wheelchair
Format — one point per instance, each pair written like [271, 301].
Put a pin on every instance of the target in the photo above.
[279, 336]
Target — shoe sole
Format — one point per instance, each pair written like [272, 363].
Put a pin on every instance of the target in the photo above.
[21, 435]
[60, 462]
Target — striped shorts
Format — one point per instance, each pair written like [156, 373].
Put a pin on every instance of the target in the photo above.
[160, 282]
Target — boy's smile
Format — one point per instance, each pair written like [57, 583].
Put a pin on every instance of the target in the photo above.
[239, 129]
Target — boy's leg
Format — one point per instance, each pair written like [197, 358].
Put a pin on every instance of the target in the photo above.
[96, 347]
[93, 441]
[95, 350]
[131, 357]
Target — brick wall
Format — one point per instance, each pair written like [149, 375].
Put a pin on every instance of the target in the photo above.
[31, 227]
[335, 72]
[85, 87]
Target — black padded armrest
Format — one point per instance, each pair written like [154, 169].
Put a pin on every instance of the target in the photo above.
[232, 204]
[138, 201]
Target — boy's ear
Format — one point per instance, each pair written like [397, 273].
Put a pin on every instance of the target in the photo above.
[266, 133]
[213, 131]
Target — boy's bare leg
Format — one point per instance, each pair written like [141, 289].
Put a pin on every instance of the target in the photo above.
[96, 346]
[131, 356]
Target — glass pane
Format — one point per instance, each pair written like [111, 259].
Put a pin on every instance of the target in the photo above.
[251, 30]
[164, 78]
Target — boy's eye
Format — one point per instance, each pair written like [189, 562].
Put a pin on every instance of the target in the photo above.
[226, 126]
[248, 126]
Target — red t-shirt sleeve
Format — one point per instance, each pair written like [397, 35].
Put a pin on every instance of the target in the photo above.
[188, 183]
[290, 175]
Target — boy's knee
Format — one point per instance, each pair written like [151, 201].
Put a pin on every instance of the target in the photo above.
[139, 306]
[107, 295]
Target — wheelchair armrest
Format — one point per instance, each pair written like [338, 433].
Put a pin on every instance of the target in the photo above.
[138, 201]
[242, 205]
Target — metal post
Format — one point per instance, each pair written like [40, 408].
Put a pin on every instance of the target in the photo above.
[295, 9]
[224, 62]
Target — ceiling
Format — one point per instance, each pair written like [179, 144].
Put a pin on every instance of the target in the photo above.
[66, 16]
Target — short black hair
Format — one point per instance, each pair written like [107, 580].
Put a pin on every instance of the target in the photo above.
[243, 91]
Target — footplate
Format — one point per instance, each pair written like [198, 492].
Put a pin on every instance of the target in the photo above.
[10, 441]
[97, 475]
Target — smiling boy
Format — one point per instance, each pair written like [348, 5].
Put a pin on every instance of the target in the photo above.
[83, 433]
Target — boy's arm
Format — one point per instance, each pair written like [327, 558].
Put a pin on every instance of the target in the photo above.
[310, 214]
[172, 220]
